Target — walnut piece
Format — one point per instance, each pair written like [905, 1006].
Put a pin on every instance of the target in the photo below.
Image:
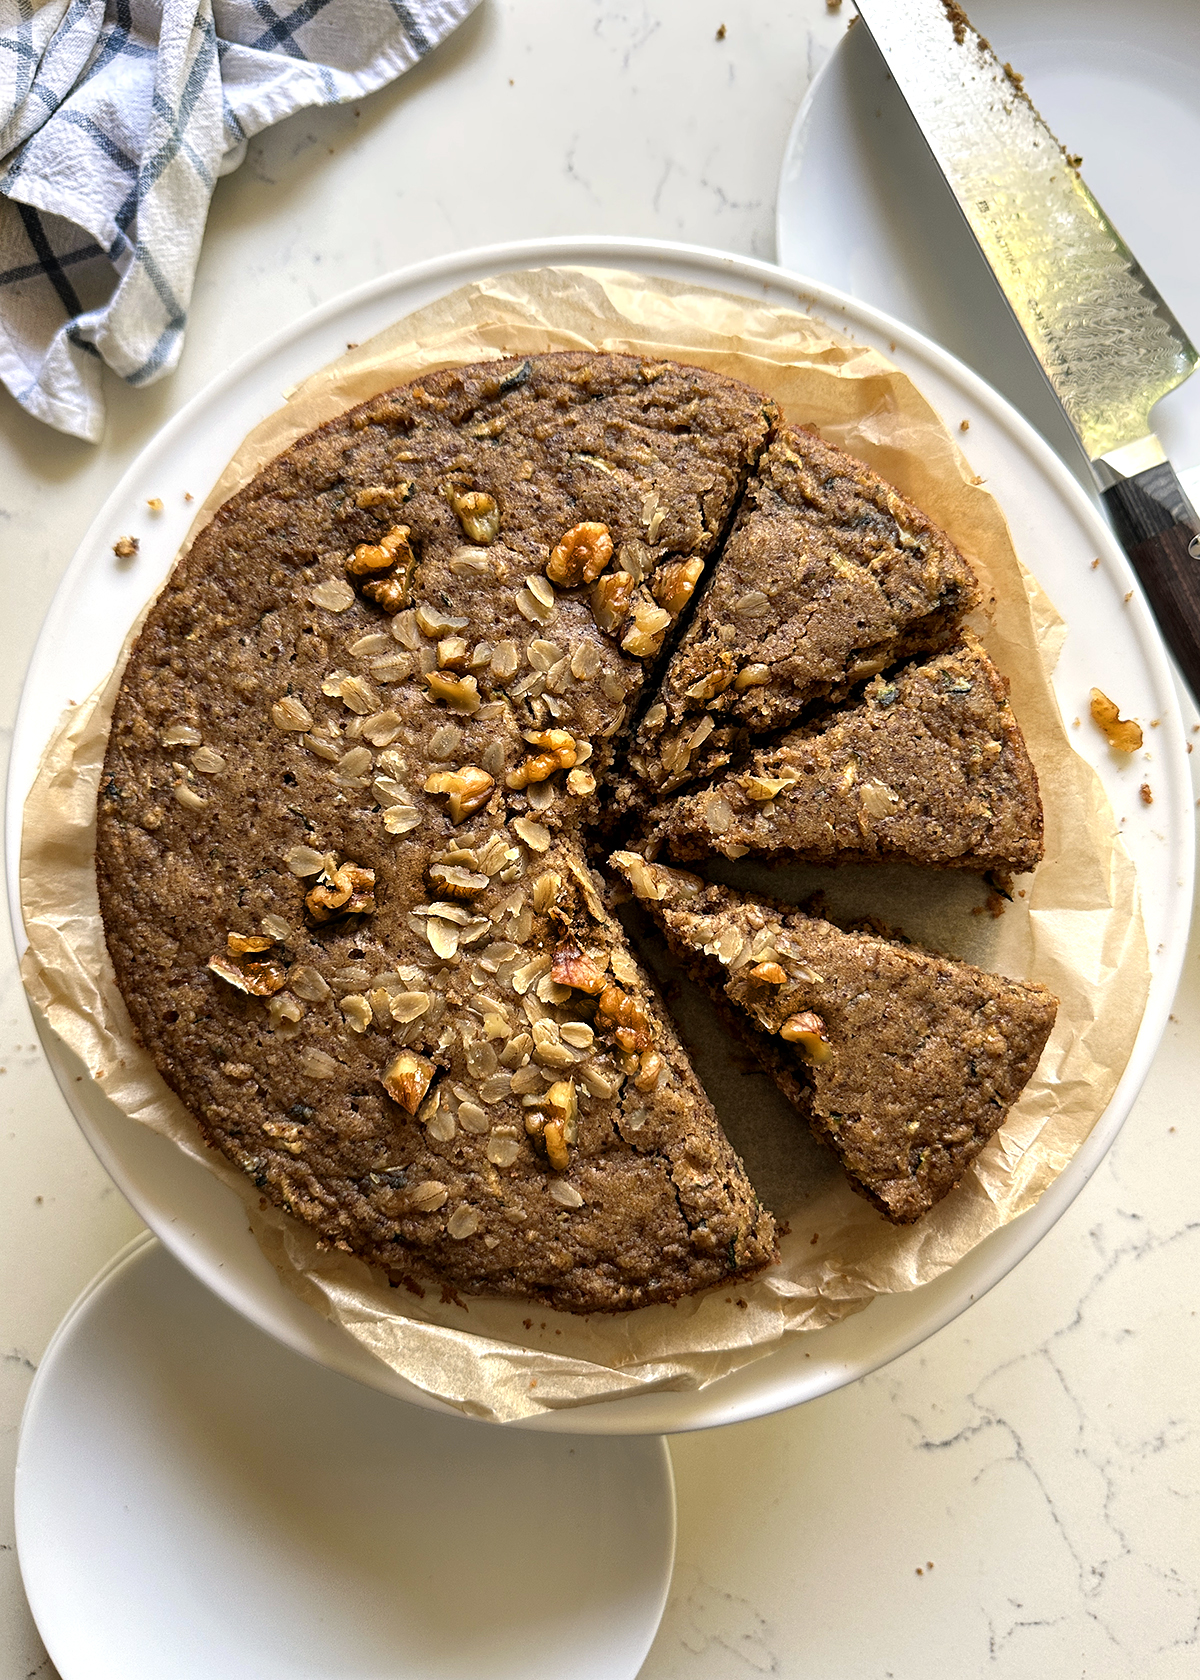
[477, 513]
[390, 593]
[390, 550]
[675, 584]
[571, 967]
[347, 890]
[469, 789]
[455, 881]
[406, 1079]
[625, 1018]
[256, 979]
[558, 752]
[611, 599]
[644, 638]
[807, 1032]
[581, 555]
[461, 694]
[1123, 734]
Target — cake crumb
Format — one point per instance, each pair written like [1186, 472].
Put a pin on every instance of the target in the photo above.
[1147, 797]
[1095, 562]
[964, 425]
[720, 32]
[126, 547]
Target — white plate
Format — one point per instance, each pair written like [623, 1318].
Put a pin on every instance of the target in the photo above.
[1056, 530]
[863, 206]
[193, 1501]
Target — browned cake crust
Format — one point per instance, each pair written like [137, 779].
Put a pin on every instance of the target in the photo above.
[828, 577]
[904, 1062]
[335, 843]
[929, 766]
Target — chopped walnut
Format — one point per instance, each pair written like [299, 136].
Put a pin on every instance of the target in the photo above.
[807, 1032]
[389, 551]
[390, 593]
[625, 1018]
[611, 599]
[406, 1079]
[347, 890]
[564, 1108]
[675, 584]
[650, 1071]
[557, 753]
[770, 973]
[461, 694]
[1124, 735]
[453, 654]
[248, 944]
[469, 789]
[644, 638]
[455, 881]
[256, 979]
[571, 967]
[477, 513]
[380, 495]
[581, 555]
[716, 682]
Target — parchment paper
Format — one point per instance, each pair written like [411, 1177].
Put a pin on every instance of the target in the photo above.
[1074, 925]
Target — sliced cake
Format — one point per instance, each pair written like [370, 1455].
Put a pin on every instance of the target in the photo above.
[336, 856]
[904, 1062]
[929, 766]
[828, 577]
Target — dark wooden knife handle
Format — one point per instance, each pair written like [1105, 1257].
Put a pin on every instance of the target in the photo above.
[1158, 529]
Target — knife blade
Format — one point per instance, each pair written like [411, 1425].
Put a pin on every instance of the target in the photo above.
[1106, 341]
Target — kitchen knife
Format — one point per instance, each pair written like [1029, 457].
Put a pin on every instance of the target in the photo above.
[1105, 339]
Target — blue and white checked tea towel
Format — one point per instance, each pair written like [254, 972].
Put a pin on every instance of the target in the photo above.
[116, 118]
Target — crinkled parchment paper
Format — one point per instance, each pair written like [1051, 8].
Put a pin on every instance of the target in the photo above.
[1075, 925]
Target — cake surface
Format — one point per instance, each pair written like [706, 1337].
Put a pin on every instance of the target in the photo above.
[828, 577]
[336, 842]
[929, 765]
[381, 709]
[906, 1063]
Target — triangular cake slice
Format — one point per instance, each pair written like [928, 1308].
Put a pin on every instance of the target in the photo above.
[929, 766]
[905, 1062]
[828, 577]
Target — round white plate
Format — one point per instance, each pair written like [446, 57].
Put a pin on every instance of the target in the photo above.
[863, 206]
[195, 1501]
[1058, 533]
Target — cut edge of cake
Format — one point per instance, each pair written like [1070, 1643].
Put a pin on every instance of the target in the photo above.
[906, 1063]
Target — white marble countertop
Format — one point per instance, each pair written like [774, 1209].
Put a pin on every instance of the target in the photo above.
[1017, 1497]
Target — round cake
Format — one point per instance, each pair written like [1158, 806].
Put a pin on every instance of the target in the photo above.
[361, 763]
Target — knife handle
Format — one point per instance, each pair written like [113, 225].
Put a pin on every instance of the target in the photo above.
[1157, 527]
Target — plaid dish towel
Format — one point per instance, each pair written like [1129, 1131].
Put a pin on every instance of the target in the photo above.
[116, 118]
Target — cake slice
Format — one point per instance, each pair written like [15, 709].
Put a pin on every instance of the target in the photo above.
[929, 765]
[904, 1062]
[828, 577]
